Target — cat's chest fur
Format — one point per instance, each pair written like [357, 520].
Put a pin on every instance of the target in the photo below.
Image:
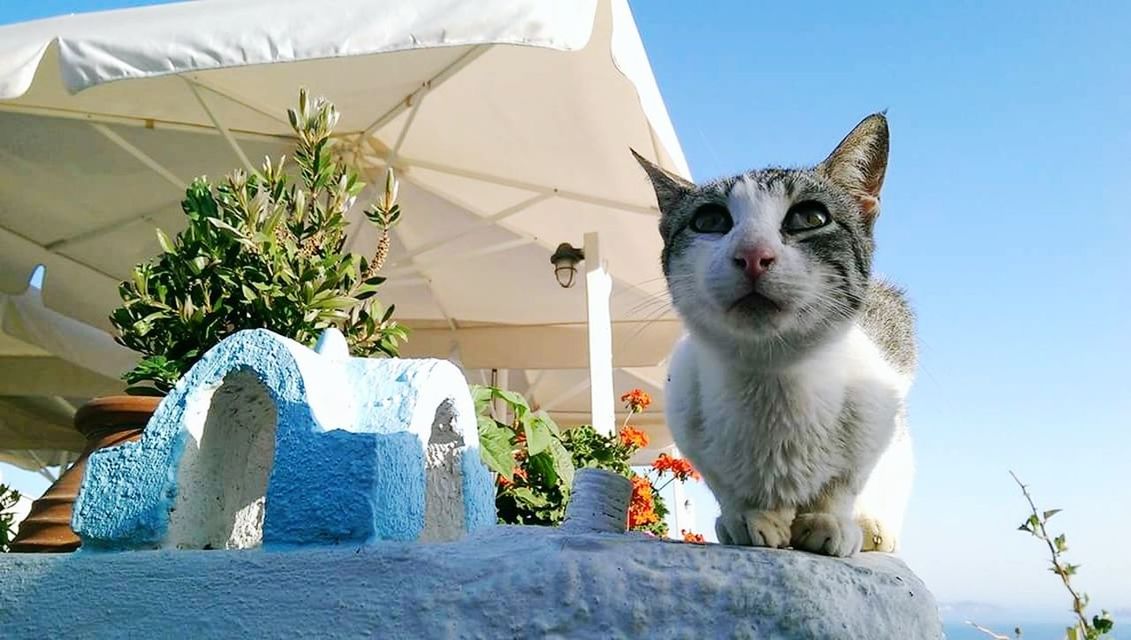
[771, 439]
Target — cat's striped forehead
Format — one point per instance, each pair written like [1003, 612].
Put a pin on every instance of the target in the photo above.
[775, 181]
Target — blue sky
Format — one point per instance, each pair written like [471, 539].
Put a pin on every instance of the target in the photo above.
[1004, 215]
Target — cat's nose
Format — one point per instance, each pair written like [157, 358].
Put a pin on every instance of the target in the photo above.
[755, 261]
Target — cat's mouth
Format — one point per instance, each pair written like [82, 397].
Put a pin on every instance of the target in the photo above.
[755, 302]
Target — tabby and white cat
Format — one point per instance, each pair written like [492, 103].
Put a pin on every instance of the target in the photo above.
[788, 390]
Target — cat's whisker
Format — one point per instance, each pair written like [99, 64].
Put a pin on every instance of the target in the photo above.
[648, 281]
[644, 327]
[651, 306]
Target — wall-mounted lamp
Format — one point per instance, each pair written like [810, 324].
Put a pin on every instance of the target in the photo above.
[565, 260]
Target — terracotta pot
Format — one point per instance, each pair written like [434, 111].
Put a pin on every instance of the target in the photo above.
[105, 422]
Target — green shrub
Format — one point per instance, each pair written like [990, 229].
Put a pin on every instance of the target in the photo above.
[262, 251]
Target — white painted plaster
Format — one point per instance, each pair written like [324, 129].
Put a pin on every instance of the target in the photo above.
[227, 459]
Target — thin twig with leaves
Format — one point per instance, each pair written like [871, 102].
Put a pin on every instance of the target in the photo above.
[1036, 524]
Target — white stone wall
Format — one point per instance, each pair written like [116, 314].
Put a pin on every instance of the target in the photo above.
[506, 582]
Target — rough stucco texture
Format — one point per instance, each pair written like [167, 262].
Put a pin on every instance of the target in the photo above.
[504, 582]
[348, 456]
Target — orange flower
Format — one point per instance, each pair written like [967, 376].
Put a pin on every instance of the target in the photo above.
[519, 473]
[633, 437]
[694, 538]
[679, 467]
[641, 509]
[636, 400]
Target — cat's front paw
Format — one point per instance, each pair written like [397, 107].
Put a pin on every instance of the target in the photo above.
[755, 528]
[827, 534]
[876, 536]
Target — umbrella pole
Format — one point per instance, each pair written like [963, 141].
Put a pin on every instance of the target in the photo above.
[598, 288]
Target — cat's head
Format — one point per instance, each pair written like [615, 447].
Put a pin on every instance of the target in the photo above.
[774, 257]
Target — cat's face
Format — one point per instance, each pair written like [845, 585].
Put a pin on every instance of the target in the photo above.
[774, 256]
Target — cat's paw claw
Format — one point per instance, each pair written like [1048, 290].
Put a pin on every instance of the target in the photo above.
[722, 532]
[827, 534]
[765, 529]
[876, 536]
[754, 528]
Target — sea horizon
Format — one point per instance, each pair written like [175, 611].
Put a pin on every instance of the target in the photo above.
[1029, 630]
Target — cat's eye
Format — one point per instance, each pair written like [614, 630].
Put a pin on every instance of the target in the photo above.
[806, 216]
[711, 218]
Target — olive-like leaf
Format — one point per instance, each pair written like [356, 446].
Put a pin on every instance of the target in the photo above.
[166, 244]
[258, 251]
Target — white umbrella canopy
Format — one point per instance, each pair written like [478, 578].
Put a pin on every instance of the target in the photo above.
[509, 123]
[49, 363]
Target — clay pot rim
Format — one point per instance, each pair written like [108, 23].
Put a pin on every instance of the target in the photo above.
[105, 421]
[116, 411]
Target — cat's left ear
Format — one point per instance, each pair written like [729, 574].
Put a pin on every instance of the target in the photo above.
[669, 187]
[860, 161]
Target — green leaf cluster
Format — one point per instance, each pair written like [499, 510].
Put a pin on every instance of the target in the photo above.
[528, 454]
[536, 460]
[266, 250]
[8, 499]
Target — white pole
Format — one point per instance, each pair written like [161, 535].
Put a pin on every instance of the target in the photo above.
[598, 289]
[222, 128]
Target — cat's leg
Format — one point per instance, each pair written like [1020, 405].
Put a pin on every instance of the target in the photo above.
[827, 526]
[881, 505]
[754, 527]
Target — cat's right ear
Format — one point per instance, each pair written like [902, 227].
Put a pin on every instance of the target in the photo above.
[669, 187]
[860, 161]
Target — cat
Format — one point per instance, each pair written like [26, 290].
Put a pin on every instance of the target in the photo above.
[787, 391]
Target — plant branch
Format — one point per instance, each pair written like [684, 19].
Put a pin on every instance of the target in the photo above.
[627, 418]
[1078, 602]
[989, 632]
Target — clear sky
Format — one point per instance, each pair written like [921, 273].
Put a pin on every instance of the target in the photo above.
[1005, 215]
